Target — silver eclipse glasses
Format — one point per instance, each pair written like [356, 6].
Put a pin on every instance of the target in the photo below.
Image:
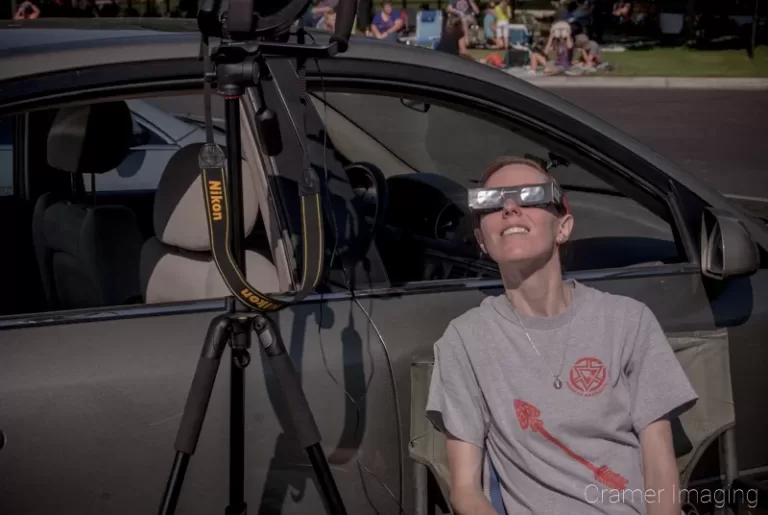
[527, 195]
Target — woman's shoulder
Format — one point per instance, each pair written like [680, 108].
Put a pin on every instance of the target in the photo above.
[612, 303]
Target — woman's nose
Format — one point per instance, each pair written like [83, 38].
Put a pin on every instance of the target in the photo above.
[510, 208]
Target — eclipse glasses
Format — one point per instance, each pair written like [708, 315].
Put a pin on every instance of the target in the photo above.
[527, 195]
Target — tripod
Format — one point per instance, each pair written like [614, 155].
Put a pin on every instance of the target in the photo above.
[237, 66]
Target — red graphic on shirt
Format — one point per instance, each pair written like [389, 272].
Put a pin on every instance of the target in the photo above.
[588, 377]
[528, 416]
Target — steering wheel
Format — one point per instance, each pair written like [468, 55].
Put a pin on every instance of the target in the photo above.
[371, 194]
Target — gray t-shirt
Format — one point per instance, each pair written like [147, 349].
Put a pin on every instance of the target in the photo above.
[549, 446]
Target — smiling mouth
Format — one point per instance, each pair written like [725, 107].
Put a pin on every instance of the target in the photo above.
[515, 230]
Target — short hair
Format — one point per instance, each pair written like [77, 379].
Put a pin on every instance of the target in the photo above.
[581, 40]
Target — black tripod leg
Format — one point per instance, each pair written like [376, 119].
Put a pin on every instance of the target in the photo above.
[303, 422]
[194, 410]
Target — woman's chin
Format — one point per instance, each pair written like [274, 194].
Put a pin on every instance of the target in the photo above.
[521, 256]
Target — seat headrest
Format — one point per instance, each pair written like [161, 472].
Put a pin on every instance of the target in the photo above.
[180, 212]
[90, 139]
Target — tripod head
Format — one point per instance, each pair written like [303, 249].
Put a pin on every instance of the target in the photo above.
[270, 20]
[250, 30]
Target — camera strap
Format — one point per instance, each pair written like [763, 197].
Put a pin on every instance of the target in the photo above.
[213, 164]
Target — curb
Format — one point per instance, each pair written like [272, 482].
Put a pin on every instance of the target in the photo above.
[713, 83]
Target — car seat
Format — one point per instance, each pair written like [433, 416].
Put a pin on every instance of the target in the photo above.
[177, 264]
[87, 254]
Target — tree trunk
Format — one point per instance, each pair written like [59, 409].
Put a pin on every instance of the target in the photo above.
[690, 16]
[752, 44]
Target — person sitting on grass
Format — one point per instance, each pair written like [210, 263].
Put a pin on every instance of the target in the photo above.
[561, 42]
[591, 56]
[538, 54]
[387, 23]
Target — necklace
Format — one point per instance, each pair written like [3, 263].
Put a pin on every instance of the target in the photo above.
[557, 383]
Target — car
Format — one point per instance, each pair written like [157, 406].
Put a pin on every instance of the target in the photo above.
[107, 297]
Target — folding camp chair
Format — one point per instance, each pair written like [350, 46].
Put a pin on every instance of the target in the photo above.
[429, 28]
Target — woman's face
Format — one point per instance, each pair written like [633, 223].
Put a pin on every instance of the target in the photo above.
[518, 234]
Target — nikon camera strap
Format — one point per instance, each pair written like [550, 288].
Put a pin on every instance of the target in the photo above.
[212, 163]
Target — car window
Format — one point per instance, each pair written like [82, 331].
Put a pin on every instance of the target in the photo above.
[73, 251]
[143, 135]
[431, 153]
[6, 156]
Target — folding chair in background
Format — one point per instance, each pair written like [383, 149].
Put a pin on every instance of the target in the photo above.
[429, 28]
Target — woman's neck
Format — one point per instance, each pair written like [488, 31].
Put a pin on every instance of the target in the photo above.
[542, 293]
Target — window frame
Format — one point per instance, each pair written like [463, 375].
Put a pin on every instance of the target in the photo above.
[664, 191]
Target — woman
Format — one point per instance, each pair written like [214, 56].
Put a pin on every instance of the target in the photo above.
[567, 389]
[453, 40]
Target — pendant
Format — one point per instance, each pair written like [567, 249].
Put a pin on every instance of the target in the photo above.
[558, 384]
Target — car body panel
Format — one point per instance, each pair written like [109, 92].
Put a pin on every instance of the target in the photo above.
[90, 401]
[92, 424]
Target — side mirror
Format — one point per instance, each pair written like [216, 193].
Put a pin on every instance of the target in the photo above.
[727, 249]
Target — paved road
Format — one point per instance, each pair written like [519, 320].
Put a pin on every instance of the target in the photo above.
[722, 136]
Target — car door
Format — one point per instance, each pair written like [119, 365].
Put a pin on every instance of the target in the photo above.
[636, 234]
[90, 400]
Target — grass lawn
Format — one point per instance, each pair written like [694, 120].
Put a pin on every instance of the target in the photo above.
[683, 62]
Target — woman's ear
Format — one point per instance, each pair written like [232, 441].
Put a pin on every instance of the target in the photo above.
[564, 229]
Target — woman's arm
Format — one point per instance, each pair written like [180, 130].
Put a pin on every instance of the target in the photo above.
[376, 32]
[662, 482]
[397, 27]
[465, 463]
[463, 50]
[548, 47]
